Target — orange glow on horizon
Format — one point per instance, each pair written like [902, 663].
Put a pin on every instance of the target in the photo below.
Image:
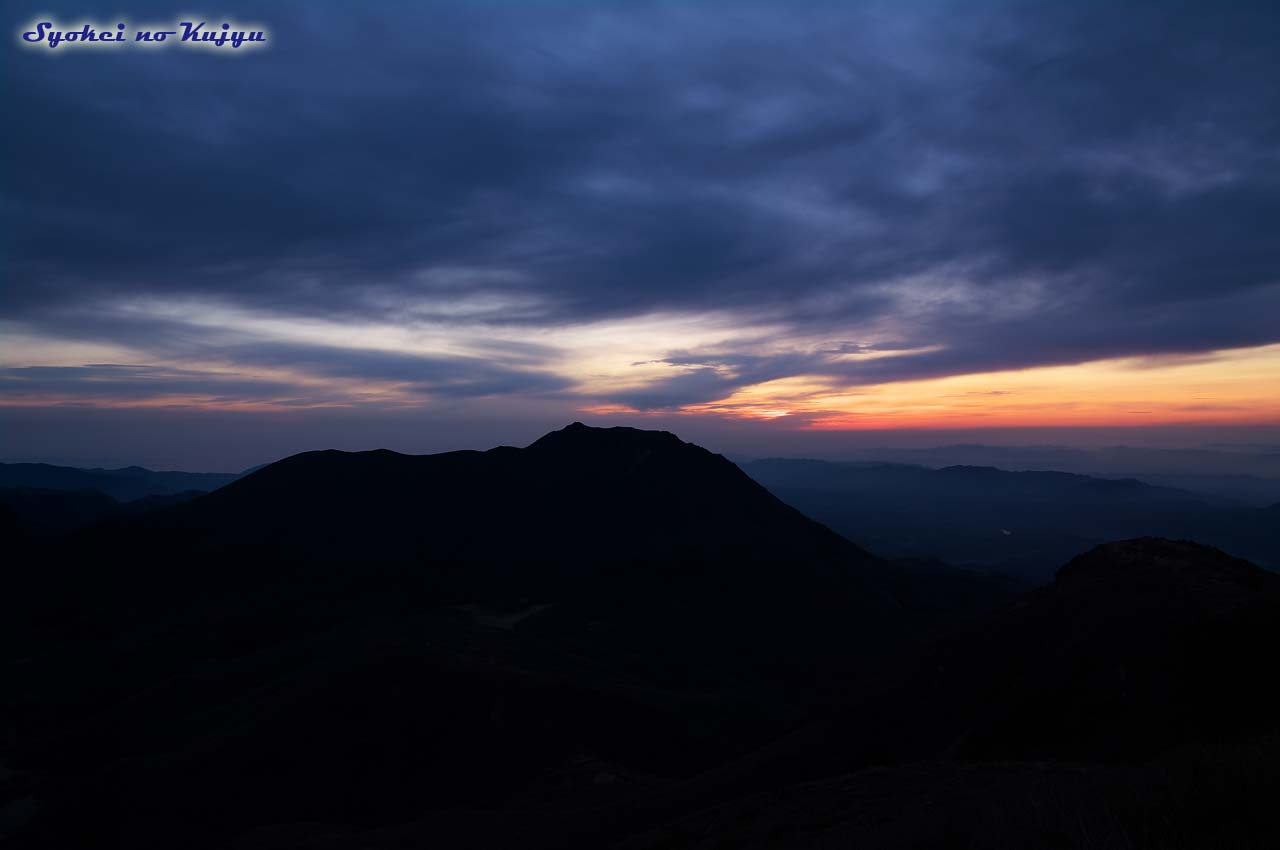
[1237, 387]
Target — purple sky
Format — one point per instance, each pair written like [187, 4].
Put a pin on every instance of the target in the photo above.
[772, 229]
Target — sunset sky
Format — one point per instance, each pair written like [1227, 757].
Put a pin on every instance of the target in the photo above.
[453, 224]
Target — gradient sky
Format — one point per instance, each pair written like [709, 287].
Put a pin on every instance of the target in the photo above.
[441, 225]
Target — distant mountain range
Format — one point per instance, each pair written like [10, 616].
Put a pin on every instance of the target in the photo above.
[1023, 523]
[1246, 474]
[122, 485]
[609, 638]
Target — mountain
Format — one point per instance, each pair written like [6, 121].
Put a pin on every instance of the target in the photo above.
[27, 512]
[612, 638]
[1024, 523]
[576, 495]
[1248, 474]
[1127, 704]
[360, 639]
[123, 485]
[1251, 490]
[1136, 648]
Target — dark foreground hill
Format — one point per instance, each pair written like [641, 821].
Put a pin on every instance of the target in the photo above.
[30, 512]
[612, 638]
[1131, 703]
[1023, 523]
[1135, 648]
[362, 640]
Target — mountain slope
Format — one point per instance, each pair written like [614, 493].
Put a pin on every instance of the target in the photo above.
[1130, 703]
[37, 511]
[1187, 742]
[607, 635]
[580, 494]
[1136, 648]
[368, 638]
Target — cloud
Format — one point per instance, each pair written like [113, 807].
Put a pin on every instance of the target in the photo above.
[960, 188]
[434, 376]
[123, 384]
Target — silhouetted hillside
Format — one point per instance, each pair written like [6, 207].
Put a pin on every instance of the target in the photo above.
[366, 638]
[1128, 704]
[33, 512]
[1247, 474]
[1024, 523]
[1136, 648]
[576, 495]
[608, 636]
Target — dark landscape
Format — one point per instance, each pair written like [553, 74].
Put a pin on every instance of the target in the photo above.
[1025, 523]
[609, 638]
[921, 482]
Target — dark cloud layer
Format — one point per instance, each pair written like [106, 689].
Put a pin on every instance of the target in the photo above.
[999, 185]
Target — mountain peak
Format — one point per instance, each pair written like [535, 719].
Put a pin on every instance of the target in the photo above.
[1172, 573]
[579, 495]
[1174, 558]
[579, 437]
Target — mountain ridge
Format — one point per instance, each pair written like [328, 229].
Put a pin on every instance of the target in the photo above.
[563, 645]
[124, 484]
[1022, 522]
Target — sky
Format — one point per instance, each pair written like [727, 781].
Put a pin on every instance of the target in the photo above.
[768, 226]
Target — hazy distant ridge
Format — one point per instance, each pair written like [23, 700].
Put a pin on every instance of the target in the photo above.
[123, 485]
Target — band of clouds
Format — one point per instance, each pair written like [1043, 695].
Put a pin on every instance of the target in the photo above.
[992, 187]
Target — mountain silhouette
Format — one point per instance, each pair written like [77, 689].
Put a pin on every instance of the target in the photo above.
[576, 495]
[1126, 704]
[448, 628]
[608, 635]
[30, 510]
[1136, 648]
